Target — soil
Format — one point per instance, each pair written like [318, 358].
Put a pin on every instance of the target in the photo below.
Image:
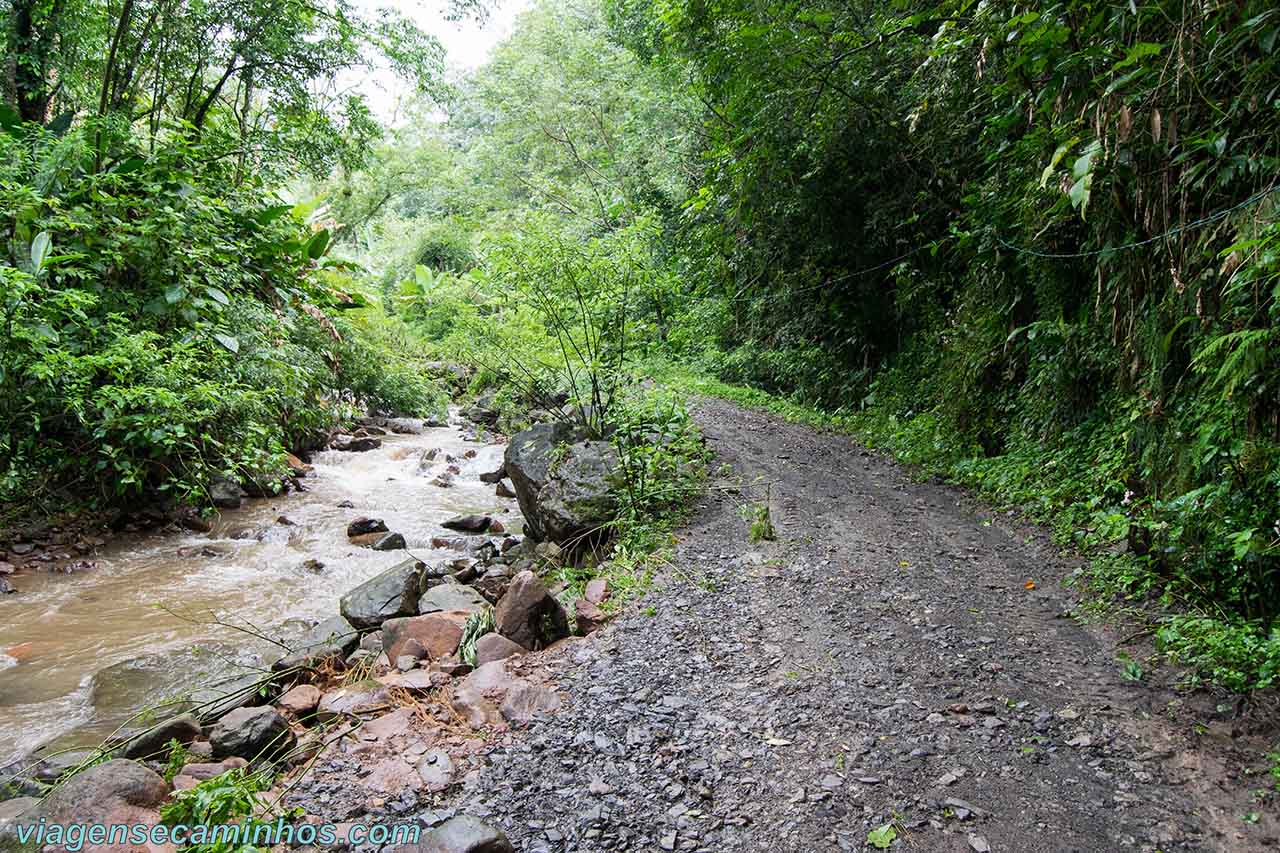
[893, 658]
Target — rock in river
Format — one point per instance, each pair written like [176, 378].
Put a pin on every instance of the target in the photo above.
[468, 523]
[386, 596]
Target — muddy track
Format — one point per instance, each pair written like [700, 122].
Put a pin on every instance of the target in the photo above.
[883, 659]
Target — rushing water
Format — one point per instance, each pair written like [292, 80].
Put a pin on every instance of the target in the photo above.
[79, 654]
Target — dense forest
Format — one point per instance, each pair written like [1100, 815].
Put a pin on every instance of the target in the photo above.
[1032, 248]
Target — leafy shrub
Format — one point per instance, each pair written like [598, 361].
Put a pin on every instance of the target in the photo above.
[164, 325]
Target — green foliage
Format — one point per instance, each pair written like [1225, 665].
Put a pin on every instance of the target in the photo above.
[882, 837]
[175, 761]
[230, 798]
[162, 327]
[760, 522]
[663, 467]
[478, 624]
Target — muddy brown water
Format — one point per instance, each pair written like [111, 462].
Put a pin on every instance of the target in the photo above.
[80, 654]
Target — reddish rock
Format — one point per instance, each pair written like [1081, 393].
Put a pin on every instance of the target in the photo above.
[363, 525]
[301, 700]
[588, 617]
[597, 591]
[493, 647]
[529, 614]
[437, 633]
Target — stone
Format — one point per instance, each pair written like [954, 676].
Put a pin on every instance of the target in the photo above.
[54, 767]
[504, 491]
[527, 461]
[202, 770]
[482, 411]
[366, 540]
[419, 681]
[119, 791]
[6, 588]
[451, 596]
[462, 834]
[437, 633]
[436, 770]
[492, 477]
[578, 500]
[588, 617]
[334, 631]
[526, 702]
[352, 444]
[364, 525]
[11, 810]
[225, 494]
[297, 467]
[529, 615]
[597, 591]
[494, 647]
[496, 527]
[388, 595]
[353, 700]
[154, 741]
[468, 523]
[390, 542]
[305, 662]
[404, 426]
[252, 733]
[300, 700]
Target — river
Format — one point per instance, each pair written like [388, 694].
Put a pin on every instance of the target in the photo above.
[80, 654]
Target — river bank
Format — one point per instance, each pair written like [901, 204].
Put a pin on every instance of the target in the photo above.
[80, 653]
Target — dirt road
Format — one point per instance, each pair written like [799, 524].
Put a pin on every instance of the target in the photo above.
[882, 662]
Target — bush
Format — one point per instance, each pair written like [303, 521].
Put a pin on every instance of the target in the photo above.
[164, 325]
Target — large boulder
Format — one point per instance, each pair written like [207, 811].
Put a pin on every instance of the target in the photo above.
[562, 482]
[114, 792]
[529, 614]
[154, 741]
[386, 596]
[252, 733]
[225, 493]
[462, 834]
[437, 634]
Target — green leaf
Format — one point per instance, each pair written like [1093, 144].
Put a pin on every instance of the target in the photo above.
[174, 293]
[882, 836]
[1057, 158]
[271, 214]
[317, 244]
[217, 295]
[9, 119]
[1139, 52]
[40, 251]
[227, 341]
